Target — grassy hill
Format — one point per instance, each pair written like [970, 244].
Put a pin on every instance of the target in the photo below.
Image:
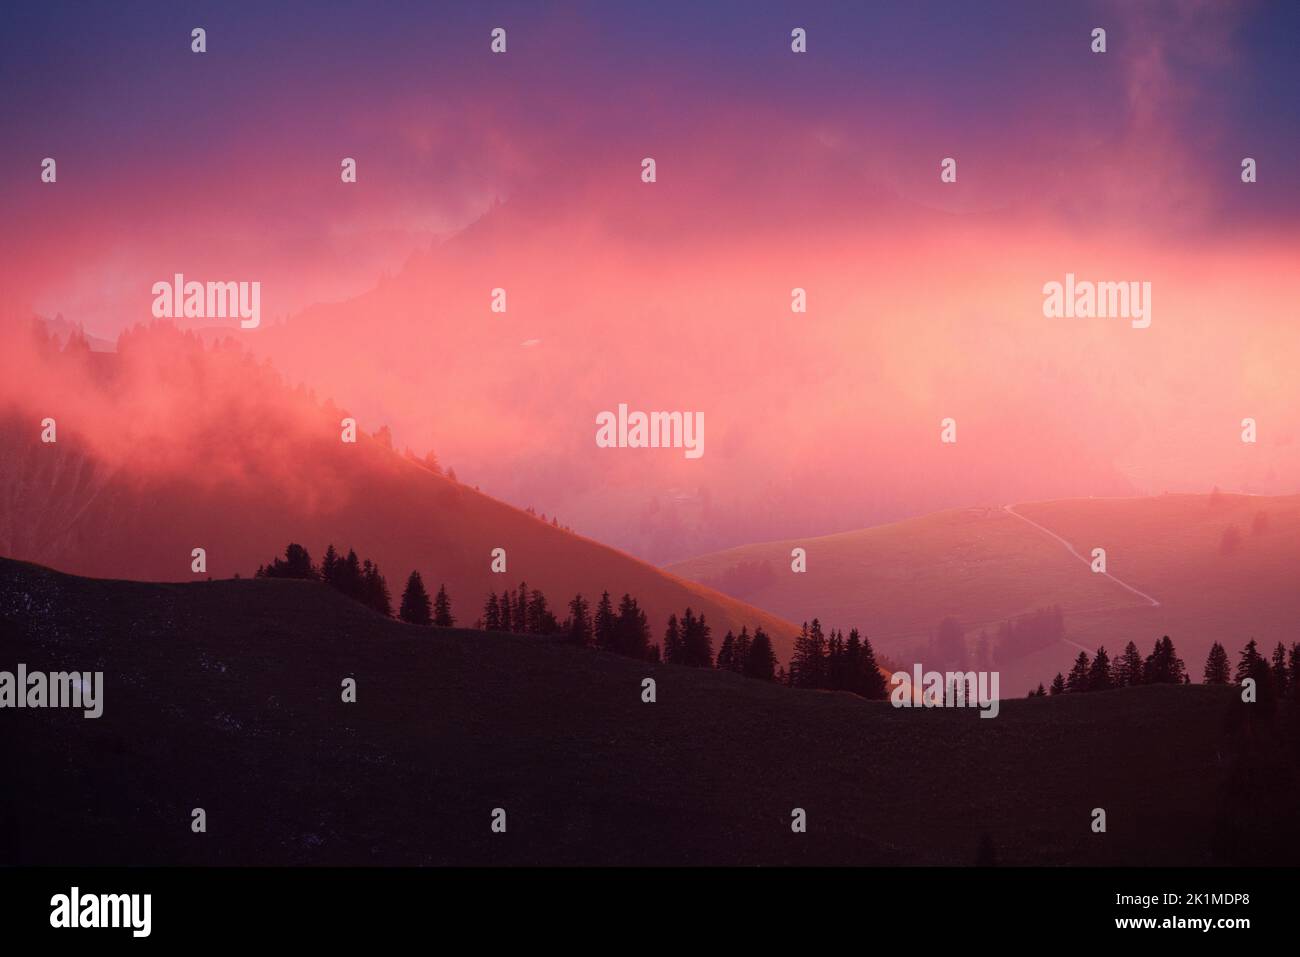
[166, 446]
[225, 695]
[1220, 567]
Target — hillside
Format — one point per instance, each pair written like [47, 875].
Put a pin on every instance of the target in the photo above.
[1220, 567]
[167, 446]
[225, 695]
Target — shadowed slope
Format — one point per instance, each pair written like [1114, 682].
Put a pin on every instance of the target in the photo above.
[226, 696]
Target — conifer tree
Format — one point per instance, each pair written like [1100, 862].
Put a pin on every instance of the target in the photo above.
[1280, 677]
[740, 650]
[1058, 684]
[837, 672]
[1099, 672]
[874, 685]
[492, 613]
[1249, 665]
[580, 631]
[672, 642]
[374, 589]
[808, 662]
[726, 661]
[760, 662]
[1163, 666]
[632, 632]
[1217, 669]
[541, 620]
[1126, 670]
[414, 608]
[697, 642]
[605, 624]
[350, 580]
[329, 565]
[1078, 678]
[507, 613]
[442, 616]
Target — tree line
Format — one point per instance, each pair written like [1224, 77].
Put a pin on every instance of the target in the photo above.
[831, 662]
[835, 663]
[1277, 676]
[362, 581]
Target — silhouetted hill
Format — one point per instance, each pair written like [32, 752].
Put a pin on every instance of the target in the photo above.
[225, 695]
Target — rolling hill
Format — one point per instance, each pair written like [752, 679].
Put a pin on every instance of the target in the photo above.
[168, 445]
[1200, 568]
[225, 695]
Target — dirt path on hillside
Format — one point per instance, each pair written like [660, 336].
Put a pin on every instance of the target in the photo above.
[1047, 531]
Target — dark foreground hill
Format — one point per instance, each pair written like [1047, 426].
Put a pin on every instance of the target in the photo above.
[226, 696]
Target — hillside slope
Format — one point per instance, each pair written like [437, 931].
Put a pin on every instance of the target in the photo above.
[168, 446]
[1198, 568]
[226, 696]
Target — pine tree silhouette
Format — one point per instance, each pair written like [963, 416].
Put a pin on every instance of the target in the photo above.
[1099, 672]
[808, 661]
[726, 660]
[1058, 684]
[580, 629]
[442, 616]
[376, 590]
[492, 613]
[1078, 677]
[1217, 668]
[507, 615]
[1163, 666]
[760, 662]
[632, 632]
[1126, 670]
[1248, 665]
[875, 687]
[1281, 679]
[672, 650]
[295, 564]
[740, 650]
[696, 649]
[329, 565]
[414, 608]
[604, 623]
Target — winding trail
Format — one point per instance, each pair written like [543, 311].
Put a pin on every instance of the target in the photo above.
[1047, 531]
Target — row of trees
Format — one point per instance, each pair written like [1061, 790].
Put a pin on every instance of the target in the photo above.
[1278, 676]
[1101, 673]
[1163, 666]
[362, 581]
[820, 661]
[836, 663]
[525, 612]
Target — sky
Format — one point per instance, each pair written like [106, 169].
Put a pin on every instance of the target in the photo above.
[775, 170]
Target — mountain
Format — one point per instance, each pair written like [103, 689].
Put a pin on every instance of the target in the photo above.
[1199, 568]
[226, 696]
[169, 445]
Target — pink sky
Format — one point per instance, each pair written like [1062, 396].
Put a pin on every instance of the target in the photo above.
[924, 298]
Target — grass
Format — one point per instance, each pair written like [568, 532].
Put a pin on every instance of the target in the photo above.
[225, 695]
